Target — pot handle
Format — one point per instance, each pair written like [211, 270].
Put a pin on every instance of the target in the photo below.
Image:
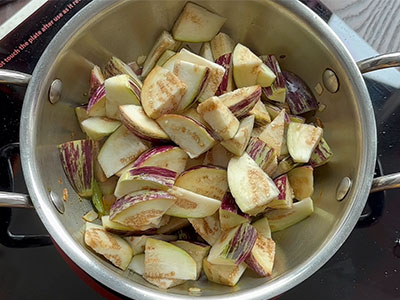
[386, 182]
[379, 62]
[10, 200]
[14, 77]
[17, 200]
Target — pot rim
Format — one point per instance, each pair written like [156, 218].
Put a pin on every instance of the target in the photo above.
[127, 287]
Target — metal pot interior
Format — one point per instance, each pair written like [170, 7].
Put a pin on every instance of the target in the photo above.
[128, 29]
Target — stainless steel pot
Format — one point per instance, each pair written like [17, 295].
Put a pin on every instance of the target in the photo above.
[128, 29]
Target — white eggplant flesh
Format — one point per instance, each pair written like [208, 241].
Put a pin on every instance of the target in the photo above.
[251, 187]
[120, 90]
[136, 120]
[196, 24]
[219, 117]
[302, 139]
[191, 136]
[121, 148]
[302, 181]
[123, 230]
[191, 205]
[266, 76]
[262, 227]
[141, 208]
[238, 143]
[280, 219]
[98, 173]
[90, 216]
[273, 134]
[137, 264]
[193, 114]
[163, 283]
[209, 181]
[223, 274]
[205, 51]
[111, 246]
[162, 92]
[164, 260]
[214, 78]
[99, 127]
[261, 114]
[81, 115]
[165, 57]
[194, 77]
[197, 251]
[138, 243]
[246, 66]
[221, 44]
[209, 228]
[285, 165]
[218, 156]
[164, 42]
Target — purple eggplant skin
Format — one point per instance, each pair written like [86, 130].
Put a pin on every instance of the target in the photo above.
[135, 89]
[115, 66]
[209, 131]
[160, 175]
[96, 96]
[281, 183]
[229, 204]
[242, 243]
[201, 88]
[96, 79]
[321, 155]
[135, 68]
[136, 197]
[142, 136]
[279, 83]
[139, 134]
[225, 61]
[149, 153]
[268, 247]
[77, 161]
[298, 94]
[259, 152]
[200, 167]
[285, 165]
[242, 108]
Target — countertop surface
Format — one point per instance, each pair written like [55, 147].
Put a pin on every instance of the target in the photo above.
[377, 22]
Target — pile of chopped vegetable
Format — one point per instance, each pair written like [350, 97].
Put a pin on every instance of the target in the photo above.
[192, 160]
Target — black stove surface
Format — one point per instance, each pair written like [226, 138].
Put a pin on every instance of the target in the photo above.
[366, 267]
